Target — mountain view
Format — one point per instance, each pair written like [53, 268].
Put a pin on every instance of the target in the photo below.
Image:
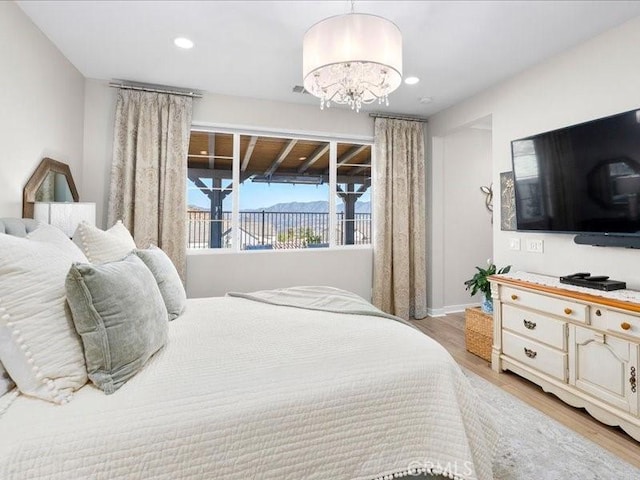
[311, 207]
[300, 207]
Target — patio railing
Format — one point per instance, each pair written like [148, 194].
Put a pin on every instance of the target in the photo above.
[276, 230]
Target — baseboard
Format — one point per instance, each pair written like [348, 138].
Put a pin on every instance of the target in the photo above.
[447, 309]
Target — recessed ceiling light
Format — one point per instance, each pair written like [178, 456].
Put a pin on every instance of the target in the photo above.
[203, 152]
[411, 80]
[183, 42]
[302, 158]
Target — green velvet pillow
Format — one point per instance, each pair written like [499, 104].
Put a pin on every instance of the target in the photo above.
[118, 311]
[165, 273]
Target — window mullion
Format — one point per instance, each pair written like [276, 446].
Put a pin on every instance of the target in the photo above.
[333, 174]
[235, 192]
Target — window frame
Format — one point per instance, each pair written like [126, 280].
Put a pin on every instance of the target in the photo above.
[332, 139]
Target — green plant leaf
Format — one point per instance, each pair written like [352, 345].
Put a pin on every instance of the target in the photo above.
[480, 282]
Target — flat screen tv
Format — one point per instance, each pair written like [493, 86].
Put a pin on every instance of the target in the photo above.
[580, 179]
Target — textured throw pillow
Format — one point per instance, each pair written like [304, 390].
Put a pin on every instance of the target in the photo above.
[104, 245]
[118, 311]
[6, 384]
[55, 236]
[166, 275]
[39, 346]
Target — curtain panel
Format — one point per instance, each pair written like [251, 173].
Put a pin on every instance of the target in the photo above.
[149, 170]
[399, 240]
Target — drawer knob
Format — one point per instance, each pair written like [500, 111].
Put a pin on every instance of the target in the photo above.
[568, 311]
[530, 353]
[529, 325]
[598, 313]
[625, 326]
[514, 297]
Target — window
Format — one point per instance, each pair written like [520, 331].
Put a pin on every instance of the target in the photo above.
[529, 185]
[263, 192]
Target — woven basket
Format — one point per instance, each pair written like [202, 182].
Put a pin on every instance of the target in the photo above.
[478, 332]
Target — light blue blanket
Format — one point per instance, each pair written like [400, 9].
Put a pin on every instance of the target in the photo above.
[326, 299]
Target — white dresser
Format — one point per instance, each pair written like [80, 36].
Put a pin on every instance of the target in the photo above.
[582, 347]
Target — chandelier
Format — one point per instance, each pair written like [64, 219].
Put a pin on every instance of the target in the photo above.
[353, 59]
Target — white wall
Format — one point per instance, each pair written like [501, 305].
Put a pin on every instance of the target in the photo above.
[99, 113]
[466, 167]
[265, 114]
[216, 273]
[41, 105]
[598, 78]
[460, 163]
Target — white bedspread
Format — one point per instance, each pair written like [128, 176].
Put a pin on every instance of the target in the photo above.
[246, 390]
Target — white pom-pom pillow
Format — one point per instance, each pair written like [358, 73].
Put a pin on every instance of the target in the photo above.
[104, 245]
[39, 346]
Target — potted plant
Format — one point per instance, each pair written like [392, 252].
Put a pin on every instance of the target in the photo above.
[480, 283]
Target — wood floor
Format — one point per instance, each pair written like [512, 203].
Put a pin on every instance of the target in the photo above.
[449, 331]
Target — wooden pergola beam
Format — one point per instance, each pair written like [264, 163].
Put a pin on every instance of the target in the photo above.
[226, 174]
[364, 168]
[350, 154]
[315, 156]
[212, 150]
[357, 194]
[248, 153]
[283, 154]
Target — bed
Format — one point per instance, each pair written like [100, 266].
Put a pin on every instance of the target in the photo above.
[247, 389]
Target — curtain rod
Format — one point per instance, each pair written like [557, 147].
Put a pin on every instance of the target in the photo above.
[399, 117]
[144, 88]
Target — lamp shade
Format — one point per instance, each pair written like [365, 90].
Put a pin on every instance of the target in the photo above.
[65, 215]
[370, 47]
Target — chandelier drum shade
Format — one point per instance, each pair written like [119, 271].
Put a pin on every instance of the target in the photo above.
[352, 59]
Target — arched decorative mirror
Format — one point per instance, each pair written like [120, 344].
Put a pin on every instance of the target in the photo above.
[51, 182]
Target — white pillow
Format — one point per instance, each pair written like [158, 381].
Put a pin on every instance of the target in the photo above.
[49, 234]
[39, 346]
[104, 245]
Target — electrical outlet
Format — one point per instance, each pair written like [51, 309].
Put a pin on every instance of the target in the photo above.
[514, 243]
[535, 246]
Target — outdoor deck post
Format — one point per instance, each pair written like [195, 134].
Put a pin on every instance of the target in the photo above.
[215, 230]
[349, 215]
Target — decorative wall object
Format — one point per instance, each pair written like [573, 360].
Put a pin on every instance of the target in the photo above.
[51, 182]
[507, 202]
[488, 201]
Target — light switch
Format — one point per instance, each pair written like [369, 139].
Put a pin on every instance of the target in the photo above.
[535, 245]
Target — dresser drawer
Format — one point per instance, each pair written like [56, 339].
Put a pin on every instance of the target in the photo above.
[555, 306]
[615, 322]
[542, 358]
[535, 326]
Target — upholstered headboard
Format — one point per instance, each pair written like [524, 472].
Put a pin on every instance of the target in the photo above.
[19, 227]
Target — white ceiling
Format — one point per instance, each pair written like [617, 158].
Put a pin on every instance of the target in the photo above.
[254, 48]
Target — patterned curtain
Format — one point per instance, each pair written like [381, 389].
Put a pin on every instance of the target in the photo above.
[399, 243]
[149, 170]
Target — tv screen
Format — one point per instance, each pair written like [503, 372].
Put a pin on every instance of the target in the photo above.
[580, 179]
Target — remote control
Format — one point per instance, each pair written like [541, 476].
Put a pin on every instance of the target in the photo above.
[579, 275]
[597, 278]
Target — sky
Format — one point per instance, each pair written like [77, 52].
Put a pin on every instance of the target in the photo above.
[261, 195]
